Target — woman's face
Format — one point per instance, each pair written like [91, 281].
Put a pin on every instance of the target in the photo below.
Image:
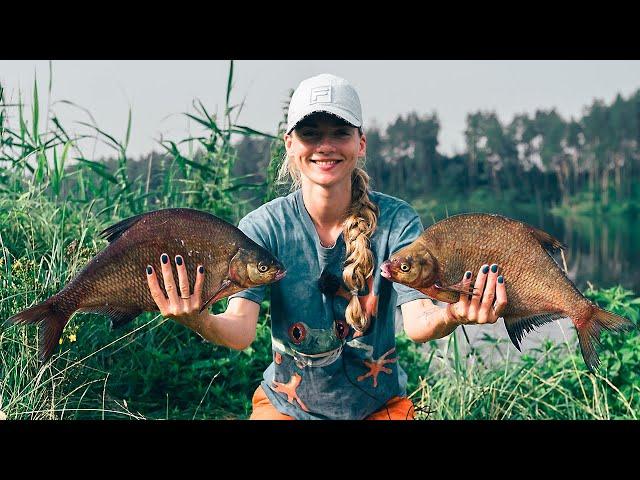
[324, 149]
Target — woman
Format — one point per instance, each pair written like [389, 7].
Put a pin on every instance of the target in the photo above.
[332, 316]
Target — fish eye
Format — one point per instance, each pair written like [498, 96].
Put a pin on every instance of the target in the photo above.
[404, 267]
[297, 333]
[342, 329]
[262, 267]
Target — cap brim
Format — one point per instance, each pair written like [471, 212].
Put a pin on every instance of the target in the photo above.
[338, 112]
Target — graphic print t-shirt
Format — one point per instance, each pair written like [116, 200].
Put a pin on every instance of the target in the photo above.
[322, 368]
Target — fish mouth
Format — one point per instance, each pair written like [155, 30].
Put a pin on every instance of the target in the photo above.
[385, 271]
[280, 275]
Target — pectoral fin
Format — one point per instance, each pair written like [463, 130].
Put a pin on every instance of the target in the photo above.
[448, 294]
[218, 294]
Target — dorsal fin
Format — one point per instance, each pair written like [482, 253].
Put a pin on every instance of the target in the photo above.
[550, 243]
[115, 231]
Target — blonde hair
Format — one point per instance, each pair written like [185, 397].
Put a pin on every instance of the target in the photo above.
[359, 224]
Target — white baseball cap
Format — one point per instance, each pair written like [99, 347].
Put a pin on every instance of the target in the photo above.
[324, 93]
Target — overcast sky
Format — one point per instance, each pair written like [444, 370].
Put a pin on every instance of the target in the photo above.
[160, 91]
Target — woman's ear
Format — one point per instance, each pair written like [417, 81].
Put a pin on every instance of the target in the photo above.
[287, 142]
[362, 151]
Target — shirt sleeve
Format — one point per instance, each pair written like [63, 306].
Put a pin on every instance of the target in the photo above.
[250, 226]
[407, 228]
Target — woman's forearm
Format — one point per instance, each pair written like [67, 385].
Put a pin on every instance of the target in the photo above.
[226, 329]
[424, 321]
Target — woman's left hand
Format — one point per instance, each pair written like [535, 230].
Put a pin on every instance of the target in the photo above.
[488, 302]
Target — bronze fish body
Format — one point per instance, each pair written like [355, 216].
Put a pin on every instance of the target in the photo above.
[114, 281]
[538, 291]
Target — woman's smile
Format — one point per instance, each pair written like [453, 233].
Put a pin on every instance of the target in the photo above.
[326, 165]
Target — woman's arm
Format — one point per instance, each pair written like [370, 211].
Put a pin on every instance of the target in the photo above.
[235, 328]
[424, 321]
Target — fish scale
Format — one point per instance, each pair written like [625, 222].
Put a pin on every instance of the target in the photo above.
[114, 282]
[538, 291]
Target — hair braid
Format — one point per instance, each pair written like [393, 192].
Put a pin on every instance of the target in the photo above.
[359, 225]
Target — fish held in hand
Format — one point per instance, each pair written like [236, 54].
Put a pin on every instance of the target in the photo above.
[114, 281]
[538, 291]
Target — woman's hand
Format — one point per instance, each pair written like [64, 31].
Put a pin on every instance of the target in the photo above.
[180, 304]
[489, 286]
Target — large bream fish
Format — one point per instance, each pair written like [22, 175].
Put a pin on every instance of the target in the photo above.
[538, 291]
[114, 281]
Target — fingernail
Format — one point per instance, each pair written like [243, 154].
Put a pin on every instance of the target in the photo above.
[201, 269]
[494, 268]
[178, 260]
[164, 258]
[149, 270]
[485, 269]
[500, 279]
[467, 275]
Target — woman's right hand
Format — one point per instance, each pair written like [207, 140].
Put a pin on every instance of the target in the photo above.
[179, 304]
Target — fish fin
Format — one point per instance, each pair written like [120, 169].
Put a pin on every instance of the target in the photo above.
[589, 333]
[115, 231]
[217, 294]
[52, 322]
[456, 287]
[117, 316]
[549, 242]
[517, 328]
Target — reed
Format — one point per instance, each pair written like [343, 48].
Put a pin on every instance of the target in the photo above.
[55, 197]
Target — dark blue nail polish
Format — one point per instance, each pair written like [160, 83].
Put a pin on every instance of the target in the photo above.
[178, 260]
[500, 279]
[494, 268]
[149, 270]
[164, 258]
[467, 275]
[485, 269]
[201, 269]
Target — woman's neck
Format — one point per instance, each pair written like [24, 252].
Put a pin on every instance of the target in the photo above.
[327, 206]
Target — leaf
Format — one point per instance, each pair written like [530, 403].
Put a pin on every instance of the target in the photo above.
[116, 145]
[35, 110]
[229, 81]
[128, 134]
[98, 168]
[241, 129]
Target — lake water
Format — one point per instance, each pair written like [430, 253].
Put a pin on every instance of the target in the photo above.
[600, 251]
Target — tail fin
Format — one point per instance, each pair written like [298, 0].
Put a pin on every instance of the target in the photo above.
[589, 333]
[52, 323]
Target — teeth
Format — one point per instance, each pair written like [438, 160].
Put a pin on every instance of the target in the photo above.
[332, 162]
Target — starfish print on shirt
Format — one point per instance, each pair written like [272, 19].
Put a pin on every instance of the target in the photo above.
[377, 366]
[289, 389]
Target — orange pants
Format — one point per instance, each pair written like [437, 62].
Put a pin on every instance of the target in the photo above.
[398, 408]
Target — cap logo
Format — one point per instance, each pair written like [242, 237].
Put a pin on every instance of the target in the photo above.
[321, 94]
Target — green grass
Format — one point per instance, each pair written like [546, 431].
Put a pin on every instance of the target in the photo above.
[54, 199]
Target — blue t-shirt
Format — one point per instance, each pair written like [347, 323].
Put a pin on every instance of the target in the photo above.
[322, 368]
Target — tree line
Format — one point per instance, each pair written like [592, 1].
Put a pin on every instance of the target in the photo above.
[540, 158]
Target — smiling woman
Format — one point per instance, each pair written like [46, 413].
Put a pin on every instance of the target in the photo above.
[328, 148]
[332, 316]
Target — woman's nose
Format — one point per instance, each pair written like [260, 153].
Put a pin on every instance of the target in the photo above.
[326, 145]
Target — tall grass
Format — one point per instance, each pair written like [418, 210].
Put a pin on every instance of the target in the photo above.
[54, 199]
[546, 382]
